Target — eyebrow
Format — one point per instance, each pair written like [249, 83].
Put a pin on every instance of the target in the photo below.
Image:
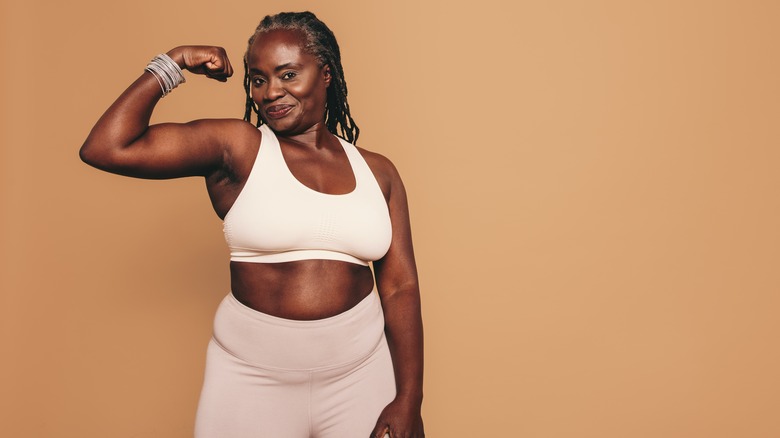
[278, 67]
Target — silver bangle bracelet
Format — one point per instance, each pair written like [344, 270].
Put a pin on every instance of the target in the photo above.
[167, 73]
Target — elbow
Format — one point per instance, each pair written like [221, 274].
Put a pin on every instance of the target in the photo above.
[97, 157]
[407, 289]
[89, 154]
[85, 153]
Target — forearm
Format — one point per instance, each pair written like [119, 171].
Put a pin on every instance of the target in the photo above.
[123, 142]
[124, 121]
[404, 331]
[127, 119]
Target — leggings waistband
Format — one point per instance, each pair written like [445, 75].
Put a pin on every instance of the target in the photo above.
[267, 341]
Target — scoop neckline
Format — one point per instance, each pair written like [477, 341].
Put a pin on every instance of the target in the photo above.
[292, 176]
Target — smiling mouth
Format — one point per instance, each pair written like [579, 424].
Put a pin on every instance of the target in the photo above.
[278, 111]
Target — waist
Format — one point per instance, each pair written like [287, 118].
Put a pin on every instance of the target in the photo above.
[267, 341]
[300, 290]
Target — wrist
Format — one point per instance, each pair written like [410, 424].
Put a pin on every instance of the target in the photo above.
[411, 398]
[167, 72]
[177, 55]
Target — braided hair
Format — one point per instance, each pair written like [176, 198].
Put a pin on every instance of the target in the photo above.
[320, 43]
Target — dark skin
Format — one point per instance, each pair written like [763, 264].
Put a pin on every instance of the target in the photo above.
[290, 88]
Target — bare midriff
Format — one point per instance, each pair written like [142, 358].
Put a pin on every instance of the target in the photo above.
[301, 290]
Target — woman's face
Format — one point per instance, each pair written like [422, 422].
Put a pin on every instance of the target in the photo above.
[287, 84]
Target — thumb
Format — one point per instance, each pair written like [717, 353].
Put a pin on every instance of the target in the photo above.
[214, 63]
[380, 431]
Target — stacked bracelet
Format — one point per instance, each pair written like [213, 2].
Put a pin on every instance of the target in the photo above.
[166, 71]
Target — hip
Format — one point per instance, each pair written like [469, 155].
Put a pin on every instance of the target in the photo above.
[271, 342]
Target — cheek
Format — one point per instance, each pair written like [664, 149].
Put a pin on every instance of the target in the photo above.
[313, 94]
[256, 95]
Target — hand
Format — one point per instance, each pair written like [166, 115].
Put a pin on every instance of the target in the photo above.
[399, 420]
[210, 61]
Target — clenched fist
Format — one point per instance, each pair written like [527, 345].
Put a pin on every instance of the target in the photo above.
[210, 61]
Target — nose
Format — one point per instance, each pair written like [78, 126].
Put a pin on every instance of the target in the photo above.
[273, 90]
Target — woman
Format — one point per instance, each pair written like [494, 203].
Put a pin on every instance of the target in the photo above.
[303, 345]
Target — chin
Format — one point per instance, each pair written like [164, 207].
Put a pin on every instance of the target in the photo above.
[280, 126]
[286, 125]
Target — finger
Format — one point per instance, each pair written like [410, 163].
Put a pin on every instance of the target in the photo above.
[221, 69]
[223, 63]
[216, 71]
[220, 76]
[213, 69]
[228, 66]
[380, 431]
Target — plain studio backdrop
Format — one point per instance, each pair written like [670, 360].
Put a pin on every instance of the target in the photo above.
[593, 189]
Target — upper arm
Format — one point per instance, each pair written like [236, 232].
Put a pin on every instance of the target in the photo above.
[171, 150]
[397, 270]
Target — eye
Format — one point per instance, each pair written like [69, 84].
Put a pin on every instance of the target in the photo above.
[258, 81]
[289, 75]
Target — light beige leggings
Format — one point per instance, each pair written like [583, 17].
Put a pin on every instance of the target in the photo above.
[280, 378]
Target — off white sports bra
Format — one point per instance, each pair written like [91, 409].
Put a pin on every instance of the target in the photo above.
[278, 219]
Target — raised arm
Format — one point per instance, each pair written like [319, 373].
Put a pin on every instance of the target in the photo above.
[123, 142]
[398, 287]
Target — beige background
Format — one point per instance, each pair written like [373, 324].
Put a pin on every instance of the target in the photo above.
[594, 195]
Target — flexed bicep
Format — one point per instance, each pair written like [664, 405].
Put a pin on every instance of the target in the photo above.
[172, 150]
[123, 142]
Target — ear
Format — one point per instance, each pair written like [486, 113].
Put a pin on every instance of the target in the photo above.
[326, 75]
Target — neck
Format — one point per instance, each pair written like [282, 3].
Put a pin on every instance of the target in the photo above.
[316, 136]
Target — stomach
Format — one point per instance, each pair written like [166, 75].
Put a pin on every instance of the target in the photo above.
[301, 290]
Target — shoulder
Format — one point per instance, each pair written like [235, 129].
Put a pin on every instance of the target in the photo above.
[229, 131]
[384, 171]
[237, 141]
[237, 138]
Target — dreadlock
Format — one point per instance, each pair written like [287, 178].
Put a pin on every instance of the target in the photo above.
[321, 43]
